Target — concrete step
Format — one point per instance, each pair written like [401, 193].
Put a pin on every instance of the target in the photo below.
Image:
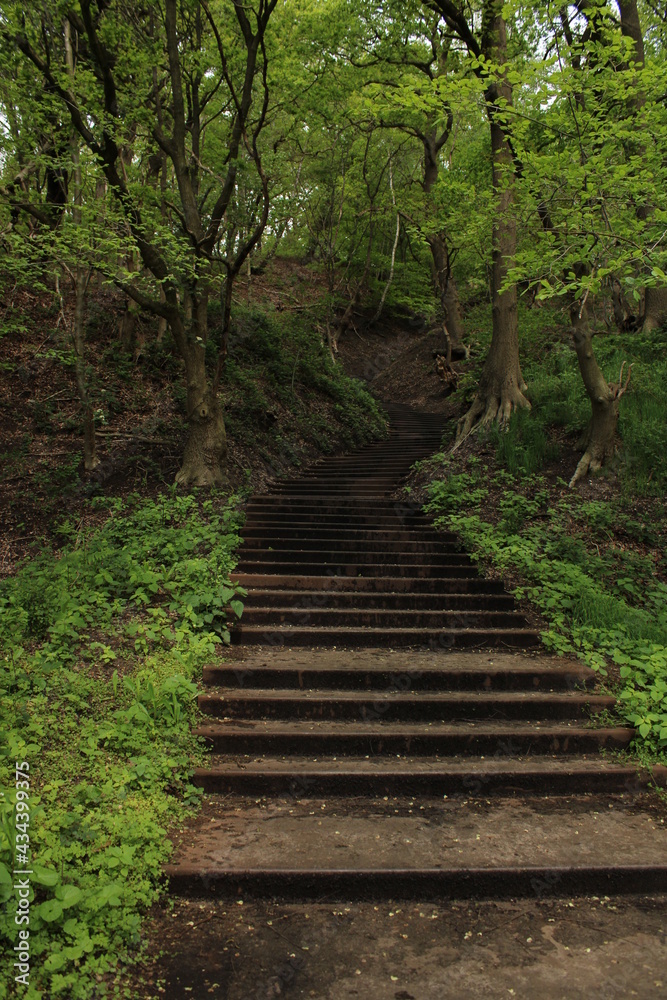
[335, 512]
[354, 528]
[382, 670]
[390, 706]
[501, 773]
[459, 582]
[351, 492]
[380, 505]
[378, 618]
[383, 738]
[369, 637]
[364, 553]
[309, 536]
[372, 544]
[356, 567]
[406, 601]
[352, 848]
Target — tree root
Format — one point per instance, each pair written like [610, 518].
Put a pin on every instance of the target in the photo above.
[201, 478]
[596, 454]
[587, 463]
[489, 405]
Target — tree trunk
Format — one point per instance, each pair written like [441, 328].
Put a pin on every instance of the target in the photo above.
[80, 277]
[631, 28]
[447, 292]
[599, 439]
[90, 459]
[443, 280]
[501, 386]
[385, 291]
[655, 309]
[655, 302]
[205, 455]
[624, 317]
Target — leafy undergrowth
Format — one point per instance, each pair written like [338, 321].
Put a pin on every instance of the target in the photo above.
[101, 646]
[593, 571]
[285, 398]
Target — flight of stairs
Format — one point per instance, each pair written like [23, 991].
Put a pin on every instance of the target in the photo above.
[386, 725]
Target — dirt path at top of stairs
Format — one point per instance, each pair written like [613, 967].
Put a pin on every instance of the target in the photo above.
[404, 798]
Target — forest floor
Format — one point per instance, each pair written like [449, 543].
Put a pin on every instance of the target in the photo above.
[559, 949]
[281, 410]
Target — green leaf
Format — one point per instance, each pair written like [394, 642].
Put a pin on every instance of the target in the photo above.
[51, 910]
[69, 895]
[45, 876]
[56, 961]
[109, 895]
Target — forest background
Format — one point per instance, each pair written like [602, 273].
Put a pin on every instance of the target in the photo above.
[228, 230]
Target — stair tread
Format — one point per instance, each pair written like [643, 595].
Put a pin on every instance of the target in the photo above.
[380, 728]
[369, 660]
[349, 612]
[316, 631]
[406, 765]
[391, 697]
[371, 834]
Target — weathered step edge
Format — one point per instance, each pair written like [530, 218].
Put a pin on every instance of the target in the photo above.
[304, 781]
[255, 703]
[280, 635]
[431, 883]
[530, 676]
[326, 738]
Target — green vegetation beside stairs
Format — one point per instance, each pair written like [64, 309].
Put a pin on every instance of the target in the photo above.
[101, 648]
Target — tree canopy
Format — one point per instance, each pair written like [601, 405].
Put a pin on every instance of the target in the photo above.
[421, 153]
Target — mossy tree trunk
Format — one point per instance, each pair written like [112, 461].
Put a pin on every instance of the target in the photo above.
[447, 293]
[444, 284]
[80, 281]
[501, 387]
[80, 277]
[655, 309]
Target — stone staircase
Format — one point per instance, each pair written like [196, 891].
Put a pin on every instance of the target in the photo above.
[386, 725]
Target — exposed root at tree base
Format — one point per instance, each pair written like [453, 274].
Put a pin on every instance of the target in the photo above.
[488, 406]
[594, 457]
[201, 478]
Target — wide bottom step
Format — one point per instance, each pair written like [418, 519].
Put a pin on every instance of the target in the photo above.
[431, 847]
